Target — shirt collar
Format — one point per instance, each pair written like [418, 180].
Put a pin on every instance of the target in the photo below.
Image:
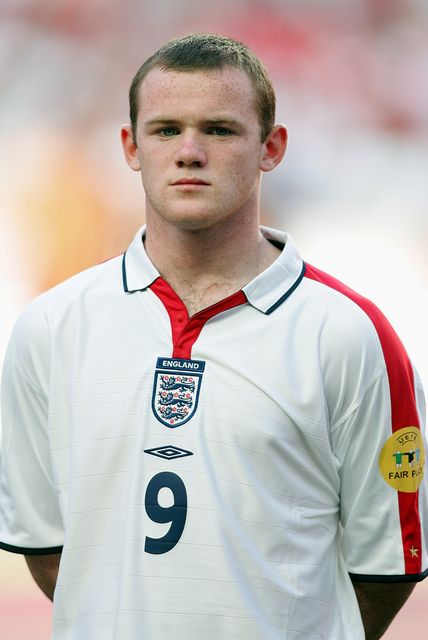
[273, 286]
[138, 272]
[265, 292]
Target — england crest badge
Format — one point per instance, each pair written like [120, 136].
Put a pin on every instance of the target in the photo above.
[176, 390]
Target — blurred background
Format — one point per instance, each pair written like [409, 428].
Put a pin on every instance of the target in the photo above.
[351, 79]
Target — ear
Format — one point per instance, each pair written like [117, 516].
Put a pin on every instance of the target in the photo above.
[273, 148]
[130, 149]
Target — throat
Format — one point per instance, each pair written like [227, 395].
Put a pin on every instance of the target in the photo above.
[199, 296]
[202, 279]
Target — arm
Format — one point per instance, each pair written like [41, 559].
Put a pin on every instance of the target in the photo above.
[44, 570]
[379, 603]
[30, 516]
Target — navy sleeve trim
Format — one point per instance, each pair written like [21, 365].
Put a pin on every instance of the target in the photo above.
[410, 577]
[30, 552]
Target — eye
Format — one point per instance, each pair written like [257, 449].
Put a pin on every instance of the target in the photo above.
[168, 132]
[221, 132]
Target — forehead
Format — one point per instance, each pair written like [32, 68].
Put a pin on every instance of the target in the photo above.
[218, 90]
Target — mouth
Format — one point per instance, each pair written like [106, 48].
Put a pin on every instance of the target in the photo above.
[190, 182]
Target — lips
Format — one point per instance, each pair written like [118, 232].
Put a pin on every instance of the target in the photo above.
[190, 181]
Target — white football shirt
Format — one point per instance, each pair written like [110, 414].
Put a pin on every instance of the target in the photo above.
[219, 476]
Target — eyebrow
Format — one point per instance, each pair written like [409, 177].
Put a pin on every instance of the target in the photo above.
[160, 121]
[208, 121]
[228, 121]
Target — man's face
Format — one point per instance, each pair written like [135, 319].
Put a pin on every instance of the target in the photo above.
[198, 146]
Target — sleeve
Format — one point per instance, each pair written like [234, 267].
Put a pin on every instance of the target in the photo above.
[30, 516]
[380, 447]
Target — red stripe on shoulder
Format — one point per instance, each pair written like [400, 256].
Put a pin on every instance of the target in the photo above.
[404, 411]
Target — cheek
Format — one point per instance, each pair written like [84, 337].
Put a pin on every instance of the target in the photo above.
[150, 183]
[151, 171]
[244, 172]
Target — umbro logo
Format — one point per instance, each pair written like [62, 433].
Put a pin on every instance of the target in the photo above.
[168, 452]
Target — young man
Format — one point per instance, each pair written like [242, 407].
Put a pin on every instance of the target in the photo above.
[203, 434]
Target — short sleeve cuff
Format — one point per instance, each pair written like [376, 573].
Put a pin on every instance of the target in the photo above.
[30, 552]
[410, 577]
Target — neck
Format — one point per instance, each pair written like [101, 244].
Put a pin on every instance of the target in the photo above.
[207, 265]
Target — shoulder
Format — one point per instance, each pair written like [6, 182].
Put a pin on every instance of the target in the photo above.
[106, 276]
[347, 315]
[41, 316]
[357, 344]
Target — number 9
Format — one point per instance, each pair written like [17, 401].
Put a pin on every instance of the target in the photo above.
[175, 514]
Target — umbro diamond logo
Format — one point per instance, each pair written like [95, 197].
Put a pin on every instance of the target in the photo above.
[168, 452]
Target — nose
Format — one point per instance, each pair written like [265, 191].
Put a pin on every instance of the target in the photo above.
[190, 152]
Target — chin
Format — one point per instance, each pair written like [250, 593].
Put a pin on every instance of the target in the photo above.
[195, 222]
[190, 224]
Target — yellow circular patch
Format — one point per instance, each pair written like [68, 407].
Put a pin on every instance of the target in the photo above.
[402, 460]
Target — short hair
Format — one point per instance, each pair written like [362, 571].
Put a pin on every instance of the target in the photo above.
[205, 51]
